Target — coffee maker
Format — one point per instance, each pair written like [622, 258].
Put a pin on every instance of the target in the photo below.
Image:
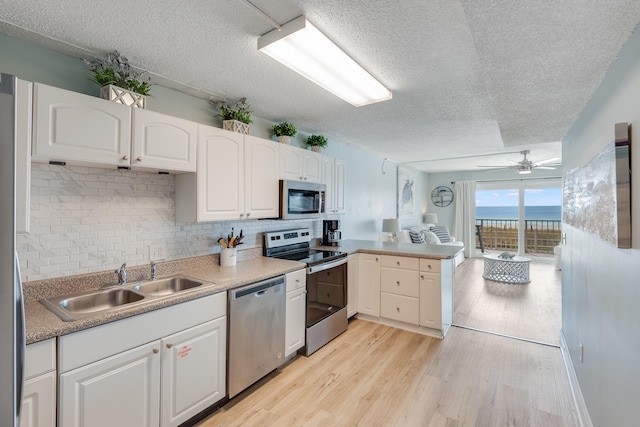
[331, 235]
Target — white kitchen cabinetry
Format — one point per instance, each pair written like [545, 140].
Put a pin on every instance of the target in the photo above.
[39, 392]
[192, 361]
[157, 368]
[296, 283]
[162, 142]
[352, 285]
[369, 284]
[333, 176]
[236, 178]
[24, 98]
[414, 293]
[299, 164]
[81, 129]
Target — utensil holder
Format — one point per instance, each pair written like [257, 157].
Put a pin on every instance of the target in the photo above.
[228, 256]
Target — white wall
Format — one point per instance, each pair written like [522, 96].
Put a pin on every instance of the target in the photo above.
[600, 285]
[90, 219]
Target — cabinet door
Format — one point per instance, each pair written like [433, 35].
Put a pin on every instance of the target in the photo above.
[294, 336]
[352, 285]
[261, 178]
[24, 109]
[312, 166]
[430, 301]
[39, 401]
[121, 390]
[369, 285]
[193, 371]
[79, 129]
[220, 174]
[291, 162]
[328, 172]
[339, 186]
[163, 142]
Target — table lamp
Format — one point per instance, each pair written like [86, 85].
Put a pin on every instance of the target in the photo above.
[391, 226]
[430, 218]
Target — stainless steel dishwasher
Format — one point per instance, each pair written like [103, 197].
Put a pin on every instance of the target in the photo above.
[256, 332]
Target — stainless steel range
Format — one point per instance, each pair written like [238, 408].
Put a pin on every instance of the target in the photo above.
[326, 314]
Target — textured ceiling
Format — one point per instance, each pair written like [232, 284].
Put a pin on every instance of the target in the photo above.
[469, 78]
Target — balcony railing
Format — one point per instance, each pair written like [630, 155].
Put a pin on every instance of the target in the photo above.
[541, 235]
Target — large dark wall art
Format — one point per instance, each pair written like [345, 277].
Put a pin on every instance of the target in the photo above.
[597, 195]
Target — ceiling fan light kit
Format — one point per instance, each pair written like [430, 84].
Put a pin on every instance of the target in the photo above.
[526, 166]
[302, 47]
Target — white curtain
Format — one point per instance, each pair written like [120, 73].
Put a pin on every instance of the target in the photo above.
[464, 227]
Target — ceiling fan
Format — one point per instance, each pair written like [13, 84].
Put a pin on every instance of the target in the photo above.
[526, 166]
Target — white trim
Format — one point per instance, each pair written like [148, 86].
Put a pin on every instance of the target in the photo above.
[574, 385]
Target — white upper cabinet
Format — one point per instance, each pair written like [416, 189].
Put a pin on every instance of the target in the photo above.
[236, 178]
[334, 177]
[76, 128]
[340, 187]
[163, 142]
[298, 164]
[79, 129]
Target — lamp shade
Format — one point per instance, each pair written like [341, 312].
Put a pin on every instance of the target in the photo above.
[390, 225]
[302, 47]
[430, 218]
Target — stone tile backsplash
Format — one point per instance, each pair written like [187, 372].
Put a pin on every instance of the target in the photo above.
[85, 220]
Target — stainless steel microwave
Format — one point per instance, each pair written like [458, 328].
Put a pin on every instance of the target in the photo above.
[299, 200]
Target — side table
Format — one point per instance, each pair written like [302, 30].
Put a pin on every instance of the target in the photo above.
[507, 270]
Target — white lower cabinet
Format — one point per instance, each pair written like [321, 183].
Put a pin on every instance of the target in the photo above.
[352, 285]
[121, 390]
[191, 374]
[296, 302]
[369, 284]
[155, 369]
[39, 392]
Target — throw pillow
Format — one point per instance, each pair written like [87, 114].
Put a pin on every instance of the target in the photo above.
[442, 231]
[416, 237]
[431, 238]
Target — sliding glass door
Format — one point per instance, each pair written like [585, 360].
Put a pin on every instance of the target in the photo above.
[520, 217]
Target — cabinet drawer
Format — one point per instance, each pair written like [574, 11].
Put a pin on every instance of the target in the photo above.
[430, 265]
[296, 279]
[40, 358]
[399, 307]
[401, 282]
[400, 262]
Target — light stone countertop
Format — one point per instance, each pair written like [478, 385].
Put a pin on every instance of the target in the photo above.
[397, 249]
[42, 324]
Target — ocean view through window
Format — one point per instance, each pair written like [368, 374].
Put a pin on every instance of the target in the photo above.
[502, 229]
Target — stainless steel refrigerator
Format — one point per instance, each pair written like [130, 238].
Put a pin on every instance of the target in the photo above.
[12, 330]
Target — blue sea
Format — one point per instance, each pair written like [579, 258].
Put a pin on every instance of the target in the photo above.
[511, 212]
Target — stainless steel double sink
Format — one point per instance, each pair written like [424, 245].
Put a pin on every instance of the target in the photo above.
[83, 304]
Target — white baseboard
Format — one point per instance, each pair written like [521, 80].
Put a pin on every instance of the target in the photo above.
[578, 399]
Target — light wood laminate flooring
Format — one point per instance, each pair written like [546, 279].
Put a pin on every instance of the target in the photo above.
[532, 311]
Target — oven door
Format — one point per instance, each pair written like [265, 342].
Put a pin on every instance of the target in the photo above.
[326, 290]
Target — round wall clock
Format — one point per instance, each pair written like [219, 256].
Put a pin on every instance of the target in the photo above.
[442, 196]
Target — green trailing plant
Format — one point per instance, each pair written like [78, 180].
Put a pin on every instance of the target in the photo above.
[284, 129]
[116, 70]
[239, 111]
[317, 141]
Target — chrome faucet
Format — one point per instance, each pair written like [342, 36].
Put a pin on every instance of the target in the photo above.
[153, 270]
[122, 274]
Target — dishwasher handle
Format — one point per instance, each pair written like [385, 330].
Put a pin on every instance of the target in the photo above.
[259, 289]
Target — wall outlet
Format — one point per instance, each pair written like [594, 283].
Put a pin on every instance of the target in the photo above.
[581, 353]
[157, 252]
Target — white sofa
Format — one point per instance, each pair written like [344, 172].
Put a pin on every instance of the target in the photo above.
[431, 234]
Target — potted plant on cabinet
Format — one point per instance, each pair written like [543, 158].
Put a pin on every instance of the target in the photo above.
[118, 82]
[284, 131]
[235, 118]
[316, 142]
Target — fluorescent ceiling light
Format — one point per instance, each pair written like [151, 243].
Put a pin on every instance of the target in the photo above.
[300, 46]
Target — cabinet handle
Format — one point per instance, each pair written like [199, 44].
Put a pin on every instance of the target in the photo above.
[125, 157]
[429, 266]
[376, 259]
[248, 214]
[398, 262]
[169, 345]
[241, 215]
[398, 309]
[139, 159]
[156, 350]
[422, 276]
[297, 280]
[301, 178]
[398, 282]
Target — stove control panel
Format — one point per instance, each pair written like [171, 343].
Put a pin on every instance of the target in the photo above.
[276, 239]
